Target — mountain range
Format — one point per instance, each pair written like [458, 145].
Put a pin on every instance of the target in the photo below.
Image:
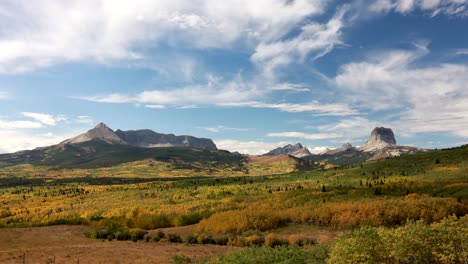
[144, 138]
[101, 146]
[381, 144]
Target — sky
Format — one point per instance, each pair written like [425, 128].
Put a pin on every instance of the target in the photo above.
[250, 74]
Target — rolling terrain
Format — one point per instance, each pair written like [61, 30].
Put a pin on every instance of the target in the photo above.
[235, 209]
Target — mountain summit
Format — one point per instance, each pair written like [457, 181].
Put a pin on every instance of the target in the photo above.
[145, 138]
[380, 138]
[101, 132]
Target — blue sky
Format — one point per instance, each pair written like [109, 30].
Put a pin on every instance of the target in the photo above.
[251, 75]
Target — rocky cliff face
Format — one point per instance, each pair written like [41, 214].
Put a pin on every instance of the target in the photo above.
[296, 150]
[380, 138]
[149, 139]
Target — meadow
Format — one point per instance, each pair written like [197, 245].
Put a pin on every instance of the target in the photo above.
[382, 207]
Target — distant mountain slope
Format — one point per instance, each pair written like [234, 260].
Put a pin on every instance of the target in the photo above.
[381, 145]
[297, 151]
[149, 139]
[99, 153]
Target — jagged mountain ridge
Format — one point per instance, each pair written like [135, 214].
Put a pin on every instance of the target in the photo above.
[149, 139]
[145, 138]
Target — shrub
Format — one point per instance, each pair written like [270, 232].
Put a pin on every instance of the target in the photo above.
[281, 254]
[174, 238]
[415, 242]
[301, 241]
[122, 235]
[221, 240]
[137, 234]
[272, 240]
[149, 222]
[205, 239]
[255, 240]
[192, 239]
[160, 234]
[181, 259]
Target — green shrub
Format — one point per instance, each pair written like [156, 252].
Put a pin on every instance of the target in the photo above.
[415, 242]
[192, 239]
[281, 254]
[301, 240]
[174, 238]
[160, 234]
[137, 234]
[181, 259]
[221, 240]
[205, 239]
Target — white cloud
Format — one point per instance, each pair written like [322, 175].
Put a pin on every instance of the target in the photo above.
[301, 135]
[461, 52]
[84, 120]
[44, 118]
[352, 128]
[19, 124]
[433, 7]
[44, 33]
[316, 39]
[213, 93]
[257, 147]
[248, 147]
[3, 95]
[11, 141]
[336, 109]
[286, 86]
[428, 99]
[217, 129]
[155, 106]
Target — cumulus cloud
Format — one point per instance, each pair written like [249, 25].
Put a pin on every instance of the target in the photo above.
[46, 119]
[425, 98]
[11, 141]
[248, 147]
[41, 34]
[217, 129]
[15, 124]
[315, 38]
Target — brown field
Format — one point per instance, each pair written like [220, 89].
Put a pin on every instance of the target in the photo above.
[67, 244]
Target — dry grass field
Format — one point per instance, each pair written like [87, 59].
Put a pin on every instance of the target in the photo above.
[67, 244]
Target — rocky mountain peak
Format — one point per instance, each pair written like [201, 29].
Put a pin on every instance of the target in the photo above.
[382, 134]
[102, 126]
[101, 132]
[380, 138]
[346, 146]
[298, 146]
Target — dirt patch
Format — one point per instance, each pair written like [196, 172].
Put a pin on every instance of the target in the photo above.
[67, 244]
